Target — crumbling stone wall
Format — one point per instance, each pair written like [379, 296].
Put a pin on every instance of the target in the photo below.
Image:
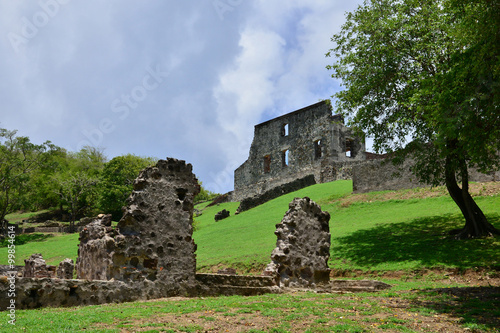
[153, 240]
[382, 175]
[275, 192]
[289, 147]
[95, 250]
[34, 293]
[302, 251]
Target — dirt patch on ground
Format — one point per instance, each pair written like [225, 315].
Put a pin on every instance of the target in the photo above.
[474, 277]
[440, 310]
[446, 309]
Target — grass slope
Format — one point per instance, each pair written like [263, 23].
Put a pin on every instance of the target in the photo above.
[53, 249]
[378, 231]
[245, 241]
[376, 234]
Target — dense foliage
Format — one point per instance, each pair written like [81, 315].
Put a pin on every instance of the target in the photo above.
[422, 78]
[117, 179]
[84, 183]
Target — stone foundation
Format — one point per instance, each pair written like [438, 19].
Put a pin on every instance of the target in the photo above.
[32, 293]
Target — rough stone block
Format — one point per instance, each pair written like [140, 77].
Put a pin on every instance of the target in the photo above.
[221, 215]
[65, 269]
[35, 267]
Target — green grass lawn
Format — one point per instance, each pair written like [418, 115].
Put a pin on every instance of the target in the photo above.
[423, 309]
[378, 235]
[53, 249]
[370, 235]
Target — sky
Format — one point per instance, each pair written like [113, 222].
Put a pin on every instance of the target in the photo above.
[163, 78]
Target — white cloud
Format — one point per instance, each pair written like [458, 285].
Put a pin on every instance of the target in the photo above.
[259, 60]
[245, 91]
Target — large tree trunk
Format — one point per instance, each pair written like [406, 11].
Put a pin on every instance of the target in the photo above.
[476, 224]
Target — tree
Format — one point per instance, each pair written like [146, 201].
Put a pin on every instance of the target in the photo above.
[19, 159]
[40, 194]
[76, 182]
[421, 78]
[77, 191]
[204, 194]
[117, 181]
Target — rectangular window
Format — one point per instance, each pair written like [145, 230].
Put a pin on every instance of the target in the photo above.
[284, 157]
[267, 163]
[284, 130]
[348, 147]
[318, 150]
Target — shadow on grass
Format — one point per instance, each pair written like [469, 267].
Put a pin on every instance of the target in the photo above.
[478, 307]
[25, 238]
[423, 240]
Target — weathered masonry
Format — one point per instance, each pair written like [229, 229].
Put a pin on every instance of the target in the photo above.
[309, 141]
[150, 254]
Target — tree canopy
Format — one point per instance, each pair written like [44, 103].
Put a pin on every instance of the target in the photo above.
[421, 78]
[84, 183]
[19, 158]
[117, 181]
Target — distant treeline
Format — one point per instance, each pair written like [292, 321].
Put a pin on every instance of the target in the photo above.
[84, 183]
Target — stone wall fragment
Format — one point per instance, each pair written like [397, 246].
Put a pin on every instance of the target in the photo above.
[35, 267]
[65, 269]
[302, 251]
[153, 240]
[95, 248]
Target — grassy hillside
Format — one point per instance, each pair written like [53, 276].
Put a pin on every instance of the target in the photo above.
[245, 241]
[380, 231]
[377, 231]
[54, 249]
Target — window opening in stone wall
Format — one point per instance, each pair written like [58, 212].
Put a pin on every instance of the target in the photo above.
[284, 130]
[318, 153]
[348, 147]
[267, 163]
[284, 157]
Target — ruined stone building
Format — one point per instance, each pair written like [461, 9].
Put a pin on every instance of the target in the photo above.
[309, 141]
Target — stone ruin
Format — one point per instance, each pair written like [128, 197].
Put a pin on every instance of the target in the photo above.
[36, 267]
[300, 259]
[65, 269]
[153, 240]
[96, 243]
[151, 253]
[302, 251]
[308, 141]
